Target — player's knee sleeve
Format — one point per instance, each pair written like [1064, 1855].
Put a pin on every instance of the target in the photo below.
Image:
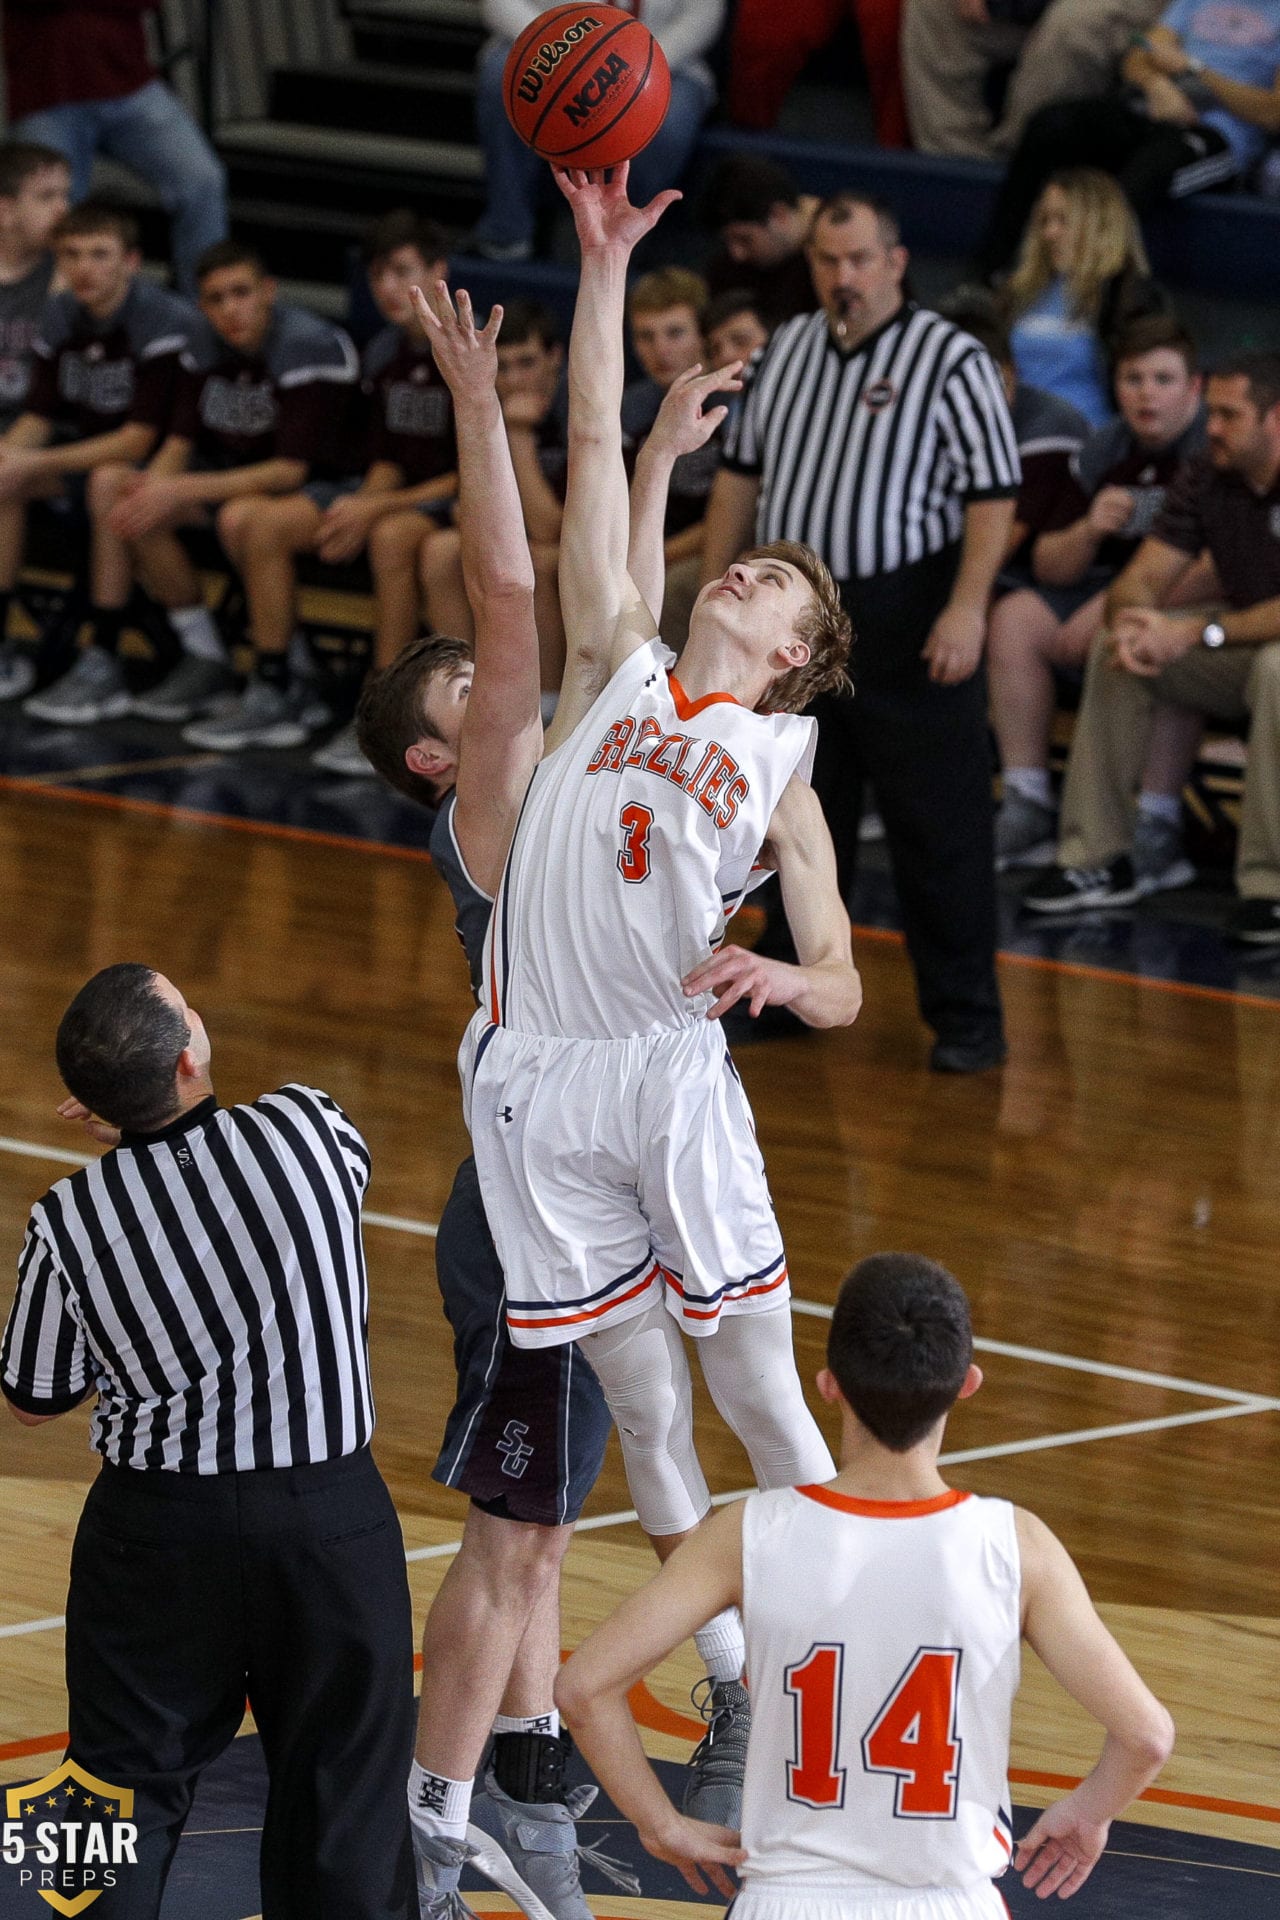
[750, 1371]
[644, 1376]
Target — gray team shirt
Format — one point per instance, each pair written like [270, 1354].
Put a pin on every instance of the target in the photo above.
[21, 304]
[472, 907]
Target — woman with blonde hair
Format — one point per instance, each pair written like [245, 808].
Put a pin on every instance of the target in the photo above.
[1081, 277]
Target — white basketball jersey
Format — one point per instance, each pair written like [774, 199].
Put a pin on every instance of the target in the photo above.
[637, 839]
[883, 1653]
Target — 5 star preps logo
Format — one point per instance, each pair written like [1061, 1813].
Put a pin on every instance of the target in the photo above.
[68, 1837]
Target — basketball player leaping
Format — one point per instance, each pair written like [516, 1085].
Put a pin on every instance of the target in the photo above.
[527, 1431]
[620, 1172]
[883, 1616]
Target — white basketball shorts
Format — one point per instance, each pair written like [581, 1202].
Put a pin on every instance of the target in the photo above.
[801, 1902]
[617, 1170]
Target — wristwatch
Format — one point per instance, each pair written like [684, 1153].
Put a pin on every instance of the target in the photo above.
[1213, 635]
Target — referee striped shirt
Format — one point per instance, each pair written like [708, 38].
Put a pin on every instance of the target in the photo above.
[870, 456]
[208, 1283]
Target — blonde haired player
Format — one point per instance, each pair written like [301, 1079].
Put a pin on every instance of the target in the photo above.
[621, 1177]
[883, 1617]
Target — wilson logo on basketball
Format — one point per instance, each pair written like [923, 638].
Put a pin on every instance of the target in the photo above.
[549, 55]
[589, 97]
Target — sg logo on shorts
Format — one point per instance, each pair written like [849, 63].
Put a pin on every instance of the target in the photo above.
[67, 1838]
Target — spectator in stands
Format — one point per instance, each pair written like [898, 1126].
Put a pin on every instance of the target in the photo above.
[534, 399]
[35, 192]
[104, 368]
[1221, 657]
[766, 59]
[1084, 535]
[735, 328]
[666, 310]
[35, 187]
[1201, 95]
[1049, 431]
[1082, 276]
[955, 53]
[260, 388]
[762, 222]
[685, 30]
[80, 79]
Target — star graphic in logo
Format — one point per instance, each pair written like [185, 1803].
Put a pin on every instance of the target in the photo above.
[28, 1810]
[88, 1799]
[109, 1812]
[70, 1794]
[52, 1801]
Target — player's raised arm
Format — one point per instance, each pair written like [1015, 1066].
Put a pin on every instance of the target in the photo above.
[1060, 1623]
[502, 731]
[702, 1577]
[825, 989]
[604, 615]
[684, 424]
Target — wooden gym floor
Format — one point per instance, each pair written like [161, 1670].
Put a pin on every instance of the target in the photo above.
[1110, 1201]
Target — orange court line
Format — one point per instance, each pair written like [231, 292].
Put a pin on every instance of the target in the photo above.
[271, 829]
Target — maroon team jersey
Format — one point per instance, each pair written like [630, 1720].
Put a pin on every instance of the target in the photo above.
[96, 375]
[289, 401]
[409, 409]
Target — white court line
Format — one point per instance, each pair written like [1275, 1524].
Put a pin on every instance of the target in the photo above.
[444, 1549]
[1238, 1402]
[815, 1309]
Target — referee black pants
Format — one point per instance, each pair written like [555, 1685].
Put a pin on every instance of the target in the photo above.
[189, 1591]
[924, 750]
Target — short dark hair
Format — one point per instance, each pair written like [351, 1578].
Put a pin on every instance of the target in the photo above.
[1152, 332]
[229, 253]
[745, 186]
[840, 207]
[900, 1345]
[402, 227]
[20, 160]
[976, 311]
[97, 216]
[1262, 371]
[525, 320]
[724, 306]
[118, 1046]
[391, 714]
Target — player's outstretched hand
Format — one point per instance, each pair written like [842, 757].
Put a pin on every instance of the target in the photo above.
[106, 1136]
[736, 974]
[682, 426]
[697, 1848]
[602, 213]
[466, 355]
[1061, 1850]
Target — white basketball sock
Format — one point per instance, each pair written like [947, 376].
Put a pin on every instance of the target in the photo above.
[722, 1646]
[1029, 783]
[438, 1805]
[548, 1723]
[198, 632]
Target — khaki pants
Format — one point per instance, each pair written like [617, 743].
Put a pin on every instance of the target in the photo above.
[1071, 53]
[1110, 743]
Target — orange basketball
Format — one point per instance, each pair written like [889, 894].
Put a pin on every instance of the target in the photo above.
[586, 86]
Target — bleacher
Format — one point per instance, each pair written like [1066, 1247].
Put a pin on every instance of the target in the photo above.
[328, 111]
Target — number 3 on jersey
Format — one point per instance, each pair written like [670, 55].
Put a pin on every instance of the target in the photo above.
[633, 860]
[913, 1736]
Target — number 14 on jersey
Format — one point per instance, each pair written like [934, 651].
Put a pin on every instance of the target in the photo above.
[913, 1736]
